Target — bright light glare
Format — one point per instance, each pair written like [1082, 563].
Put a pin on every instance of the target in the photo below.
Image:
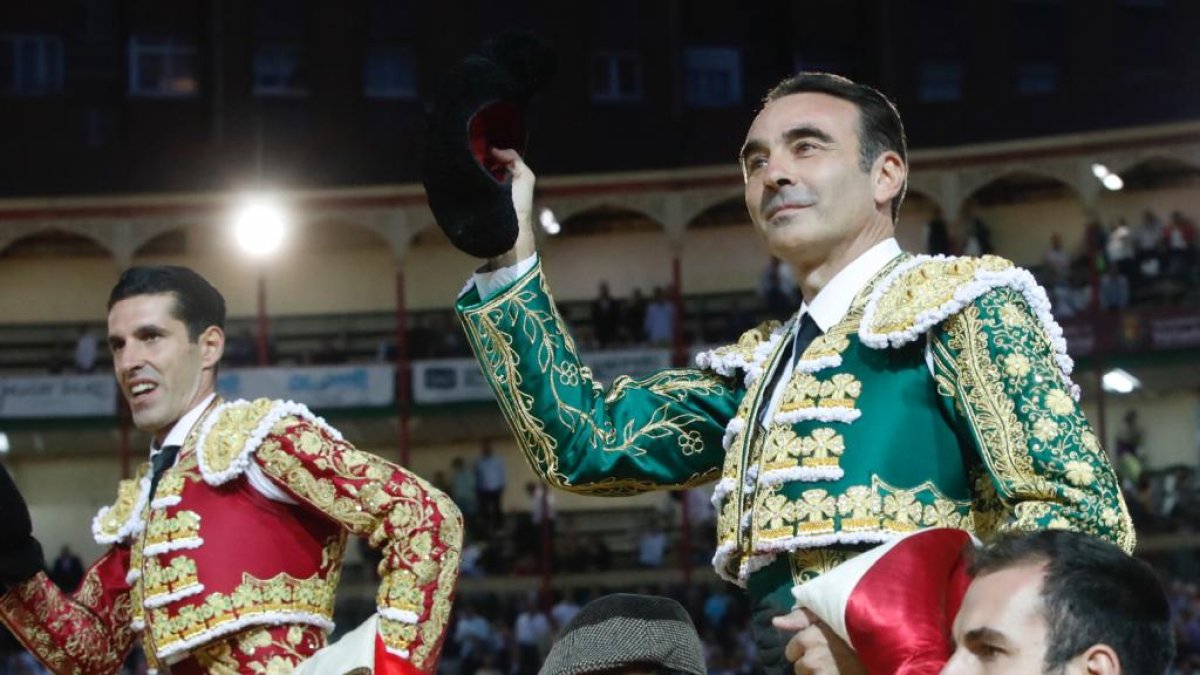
[1099, 170]
[4, 446]
[259, 226]
[549, 222]
[1120, 381]
[1113, 182]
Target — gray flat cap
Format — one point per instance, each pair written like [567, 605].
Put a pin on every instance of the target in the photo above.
[623, 630]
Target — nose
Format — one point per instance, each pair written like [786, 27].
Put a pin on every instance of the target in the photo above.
[127, 359]
[779, 172]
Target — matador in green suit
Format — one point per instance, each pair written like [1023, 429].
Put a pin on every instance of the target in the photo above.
[908, 392]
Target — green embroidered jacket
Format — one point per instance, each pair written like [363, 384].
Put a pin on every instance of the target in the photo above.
[943, 398]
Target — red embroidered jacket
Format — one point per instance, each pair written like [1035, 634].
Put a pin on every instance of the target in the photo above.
[211, 556]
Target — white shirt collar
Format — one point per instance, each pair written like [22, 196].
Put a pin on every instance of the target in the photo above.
[833, 302]
[179, 433]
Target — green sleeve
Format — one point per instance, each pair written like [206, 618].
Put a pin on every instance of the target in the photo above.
[997, 364]
[661, 432]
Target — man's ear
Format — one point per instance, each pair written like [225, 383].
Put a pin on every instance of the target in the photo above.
[1100, 660]
[890, 173]
[212, 346]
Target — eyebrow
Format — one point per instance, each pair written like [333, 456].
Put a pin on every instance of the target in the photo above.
[985, 634]
[791, 135]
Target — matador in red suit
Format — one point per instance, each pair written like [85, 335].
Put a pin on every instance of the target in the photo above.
[225, 549]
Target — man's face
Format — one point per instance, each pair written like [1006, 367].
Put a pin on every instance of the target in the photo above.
[160, 371]
[1001, 626]
[805, 190]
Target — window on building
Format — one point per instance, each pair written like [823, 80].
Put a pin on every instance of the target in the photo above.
[712, 76]
[940, 81]
[162, 66]
[279, 71]
[31, 65]
[391, 72]
[616, 77]
[1037, 78]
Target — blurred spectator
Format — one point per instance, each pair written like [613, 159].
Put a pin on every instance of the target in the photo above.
[979, 238]
[472, 635]
[1149, 240]
[1120, 249]
[1114, 290]
[716, 608]
[86, 348]
[597, 554]
[937, 237]
[563, 611]
[1129, 442]
[328, 353]
[489, 487]
[652, 545]
[1057, 263]
[777, 289]
[533, 634]
[606, 317]
[1180, 241]
[462, 491]
[660, 319]
[635, 318]
[67, 570]
[470, 565]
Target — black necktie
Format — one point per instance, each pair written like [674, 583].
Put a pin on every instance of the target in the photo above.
[160, 463]
[805, 334]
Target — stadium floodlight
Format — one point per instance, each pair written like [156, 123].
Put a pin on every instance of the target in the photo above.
[1099, 171]
[4, 445]
[549, 223]
[1120, 381]
[1113, 182]
[259, 225]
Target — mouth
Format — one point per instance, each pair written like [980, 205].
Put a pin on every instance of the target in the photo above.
[785, 208]
[140, 391]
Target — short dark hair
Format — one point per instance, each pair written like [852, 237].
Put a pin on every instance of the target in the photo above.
[197, 303]
[1093, 593]
[879, 125]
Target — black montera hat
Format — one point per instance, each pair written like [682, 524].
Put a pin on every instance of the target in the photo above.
[481, 106]
[624, 630]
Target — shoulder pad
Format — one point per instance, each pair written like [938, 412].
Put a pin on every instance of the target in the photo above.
[123, 519]
[926, 290]
[232, 432]
[747, 354]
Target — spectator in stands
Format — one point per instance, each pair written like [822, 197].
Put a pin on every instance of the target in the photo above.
[716, 607]
[1114, 289]
[1129, 443]
[1149, 243]
[598, 554]
[1057, 601]
[1057, 263]
[86, 347]
[533, 634]
[652, 545]
[635, 318]
[489, 487]
[541, 508]
[1179, 239]
[564, 609]
[67, 570]
[777, 289]
[606, 317]
[660, 319]
[462, 491]
[328, 353]
[979, 238]
[1120, 250]
[473, 636]
[627, 633]
[937, 237]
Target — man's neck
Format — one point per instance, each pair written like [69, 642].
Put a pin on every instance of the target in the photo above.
[812, 278]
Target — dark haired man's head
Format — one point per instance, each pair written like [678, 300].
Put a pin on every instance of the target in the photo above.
[197, 303]
[166, 333]
[825, 169]
[1061, 602]
[879, 127]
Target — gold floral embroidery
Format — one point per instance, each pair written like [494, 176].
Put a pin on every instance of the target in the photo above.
[809, 563]
[823, 447]
[179, 526]
[230, 433]
[1032, 436]
[830, 344]
[805, 390]
[122, 509]
[840, 391]
[859, 507]
[814, 512]
[177, 575]
[927, 288]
